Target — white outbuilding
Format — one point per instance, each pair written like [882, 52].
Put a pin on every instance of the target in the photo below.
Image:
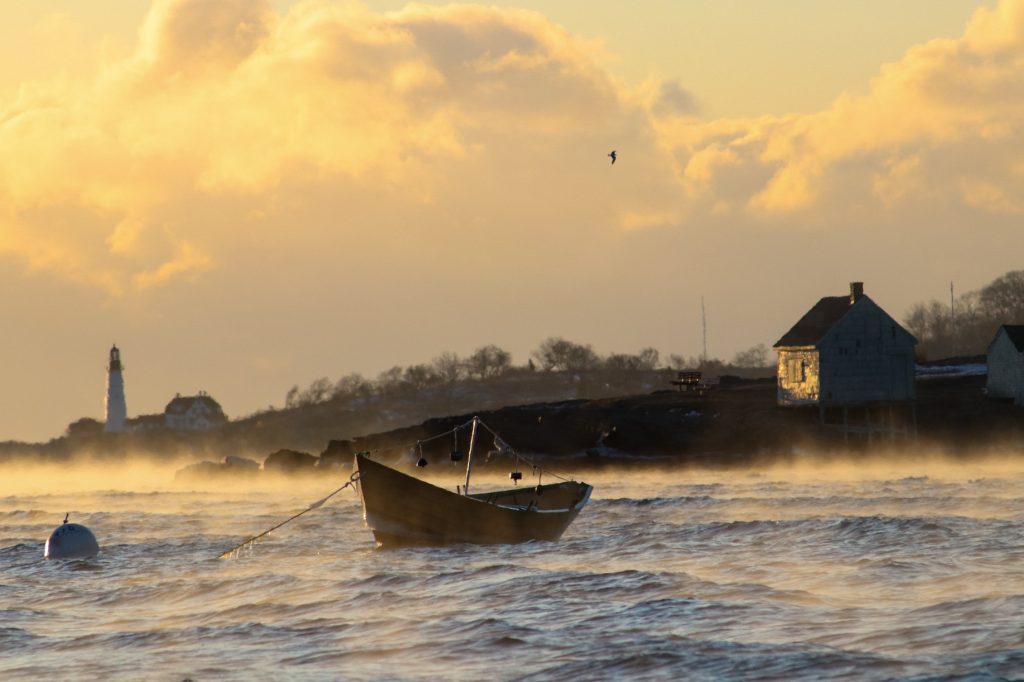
[194, 413]
[1006, 364]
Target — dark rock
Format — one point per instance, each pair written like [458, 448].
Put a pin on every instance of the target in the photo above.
[289, 461]
[339, 448]
[230, 465]
[199, 470]
[240, 464]
[334, 460]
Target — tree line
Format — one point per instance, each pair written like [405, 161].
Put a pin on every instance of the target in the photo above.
[968, 323]
[964, 326]
[554, 354]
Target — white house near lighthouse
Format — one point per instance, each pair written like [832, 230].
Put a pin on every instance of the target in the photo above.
[117, 410]
[194, 413]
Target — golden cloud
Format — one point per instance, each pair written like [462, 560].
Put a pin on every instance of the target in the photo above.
[228, 120]
[945, 100]
[187, 259]
[229, 99]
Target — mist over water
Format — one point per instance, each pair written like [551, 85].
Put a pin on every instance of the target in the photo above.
[851, 570]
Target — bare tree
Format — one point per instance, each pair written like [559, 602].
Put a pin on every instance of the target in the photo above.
[932, 324]
[488, 361]
[755, 356]
[420, 376]
[449, 367]
[1003, 299]
[649, 358]
[711, 366]
[646, 359]
[390, 380]
[316, 392]
[352, 386]
[550, 352]
[676, 361]
[622, 362]
[555, 353]
[968, 328]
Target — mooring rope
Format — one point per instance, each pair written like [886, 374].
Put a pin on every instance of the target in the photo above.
[498, 441]
[316, 505]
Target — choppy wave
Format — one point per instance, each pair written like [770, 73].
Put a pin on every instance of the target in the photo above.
[737, 577]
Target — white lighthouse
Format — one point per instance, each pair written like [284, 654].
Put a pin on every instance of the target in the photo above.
[117, 411]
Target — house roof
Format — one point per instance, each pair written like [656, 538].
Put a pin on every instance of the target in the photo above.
[816, 322]
[181, 404]
[1015, 332]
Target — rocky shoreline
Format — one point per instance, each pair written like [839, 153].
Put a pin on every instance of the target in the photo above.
[736, 424]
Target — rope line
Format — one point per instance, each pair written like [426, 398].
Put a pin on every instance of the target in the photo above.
[316, 505]
[498, 440]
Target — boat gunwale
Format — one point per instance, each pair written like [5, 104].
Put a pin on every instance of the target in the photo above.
[419, 501]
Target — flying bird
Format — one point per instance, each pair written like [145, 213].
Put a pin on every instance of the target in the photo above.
[612, 154]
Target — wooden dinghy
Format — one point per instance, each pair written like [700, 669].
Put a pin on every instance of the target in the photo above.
[402, 510]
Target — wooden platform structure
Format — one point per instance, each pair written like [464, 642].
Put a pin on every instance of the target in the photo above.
[691, 381]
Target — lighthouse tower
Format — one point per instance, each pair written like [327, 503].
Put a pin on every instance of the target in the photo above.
[117, 411]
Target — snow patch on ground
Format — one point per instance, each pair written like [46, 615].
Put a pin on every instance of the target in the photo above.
[932, 371]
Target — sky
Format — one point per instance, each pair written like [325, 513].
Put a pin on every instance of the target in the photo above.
[247, 195]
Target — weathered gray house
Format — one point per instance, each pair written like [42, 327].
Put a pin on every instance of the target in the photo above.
[846, 351]
[1006, 364]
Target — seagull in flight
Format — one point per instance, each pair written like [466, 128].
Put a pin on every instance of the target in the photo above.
[612, 154]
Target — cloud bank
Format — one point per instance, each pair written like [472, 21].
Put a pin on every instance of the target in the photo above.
[228, 108]
[942, 125]
[228, 101]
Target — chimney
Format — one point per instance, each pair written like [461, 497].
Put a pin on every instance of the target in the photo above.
[856, 291]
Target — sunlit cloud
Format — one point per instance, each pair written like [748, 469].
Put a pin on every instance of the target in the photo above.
[459, 118]
[637, 220]
[943, 121]
[188, 260]
[674, 100]
[228, 98]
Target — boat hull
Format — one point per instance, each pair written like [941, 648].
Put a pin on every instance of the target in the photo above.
[402, 510]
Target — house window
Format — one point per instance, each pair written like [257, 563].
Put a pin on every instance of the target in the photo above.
[796, 370]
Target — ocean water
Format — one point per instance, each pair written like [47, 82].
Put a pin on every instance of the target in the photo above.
[859, 572]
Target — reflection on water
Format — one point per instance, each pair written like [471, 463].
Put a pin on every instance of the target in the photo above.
[845, 572]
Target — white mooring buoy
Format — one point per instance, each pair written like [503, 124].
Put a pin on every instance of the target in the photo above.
[71, 541]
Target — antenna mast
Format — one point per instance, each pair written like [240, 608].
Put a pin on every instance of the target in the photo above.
[952, 318]
[704, 325]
